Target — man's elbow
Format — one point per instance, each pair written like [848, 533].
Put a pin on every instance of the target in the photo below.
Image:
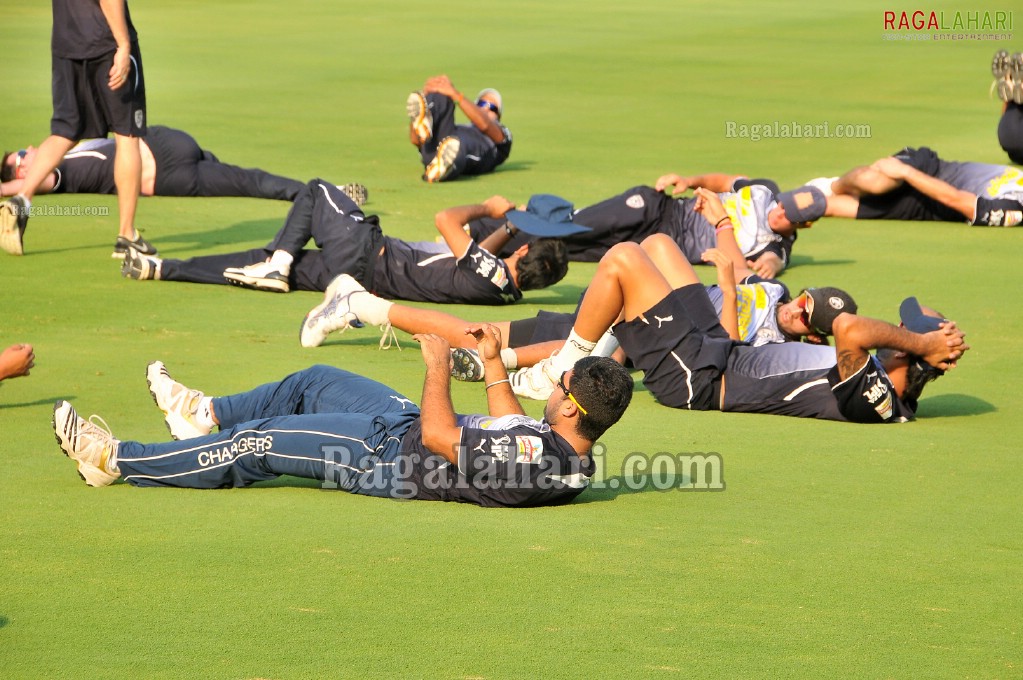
[845, 328]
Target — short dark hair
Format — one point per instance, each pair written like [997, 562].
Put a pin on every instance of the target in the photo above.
[6, 171]
[918, 374]
[544, 264]
[604, 388]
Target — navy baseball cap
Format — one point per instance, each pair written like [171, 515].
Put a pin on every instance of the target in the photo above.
[914, 319]
[546, 215]
[805, 204]
[823, 305]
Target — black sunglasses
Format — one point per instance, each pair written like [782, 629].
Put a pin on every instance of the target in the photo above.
[568, 393]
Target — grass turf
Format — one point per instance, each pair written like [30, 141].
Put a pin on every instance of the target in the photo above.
[835, 549]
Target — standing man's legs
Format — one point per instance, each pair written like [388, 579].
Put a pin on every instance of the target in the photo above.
[128, 178]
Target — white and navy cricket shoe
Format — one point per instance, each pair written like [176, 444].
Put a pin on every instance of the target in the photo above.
[536, 382]
[13, 222]
[419, 117]
[140, 267]
[444, 162]
[88, 443]
[260, 276]
[178, 403]
[333, 314]
[466, 365]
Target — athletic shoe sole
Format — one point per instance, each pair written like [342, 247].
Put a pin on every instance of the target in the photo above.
[466, 365]
[443, 163]
[274, 283]
[419, 116]
[13, 222]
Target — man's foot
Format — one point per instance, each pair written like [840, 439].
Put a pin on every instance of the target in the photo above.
[823, 183]
[13, 222]
[88, 443]
[1008, 72]
[260, 276]
[140, 267]
[356, 192]
[178, 403]
[444, 162]
[466, 365]
[535, 382]
[419, 117]
[1000, 64]
[140, 244]
[333, 314]
[1016, 76]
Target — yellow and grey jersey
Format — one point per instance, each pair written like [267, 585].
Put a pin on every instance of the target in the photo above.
[756, 304]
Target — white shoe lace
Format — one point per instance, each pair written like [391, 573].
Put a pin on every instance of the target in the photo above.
[389, 339]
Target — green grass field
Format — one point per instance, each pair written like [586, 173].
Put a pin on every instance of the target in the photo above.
[835, 550]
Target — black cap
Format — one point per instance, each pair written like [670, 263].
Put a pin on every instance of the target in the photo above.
[823, 305]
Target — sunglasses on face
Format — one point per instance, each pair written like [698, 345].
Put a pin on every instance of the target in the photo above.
[18, 159]
[568, 393]
[804, 316]
[484, 104]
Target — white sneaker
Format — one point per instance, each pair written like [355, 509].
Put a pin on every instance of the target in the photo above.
[13, 222]
[88, 443]
[536, 382]
[419, 116]
[178, 403]
[140, 267]
[333, 314]
[443, 163]
[823, 183]
[260, 276]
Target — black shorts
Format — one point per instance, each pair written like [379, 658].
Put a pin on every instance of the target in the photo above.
[543, 327]
[681, 348]
[1010, 132]
[868, 395]
[906, 203]
[84, 106]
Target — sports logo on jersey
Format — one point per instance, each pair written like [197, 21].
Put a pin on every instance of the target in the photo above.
[1003, 218]
[530, 449]
[661, 320]
[500, 278]
[485, 265]
[635, 201]
[880, 398]
[500, 448]
[140, 118]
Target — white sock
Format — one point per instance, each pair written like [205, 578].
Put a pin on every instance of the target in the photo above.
[607, 345]
[28, 203]
[281, 260]
[510, 358]
[575, 349]
[204, 413]
[369, 308]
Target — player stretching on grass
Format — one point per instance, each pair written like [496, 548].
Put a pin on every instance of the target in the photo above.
[360, 436]
[671, 333]
[915, 184]
[349, 242]
[449, 151]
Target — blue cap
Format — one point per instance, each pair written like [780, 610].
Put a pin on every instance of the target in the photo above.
[914, 319]
[546, 215]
